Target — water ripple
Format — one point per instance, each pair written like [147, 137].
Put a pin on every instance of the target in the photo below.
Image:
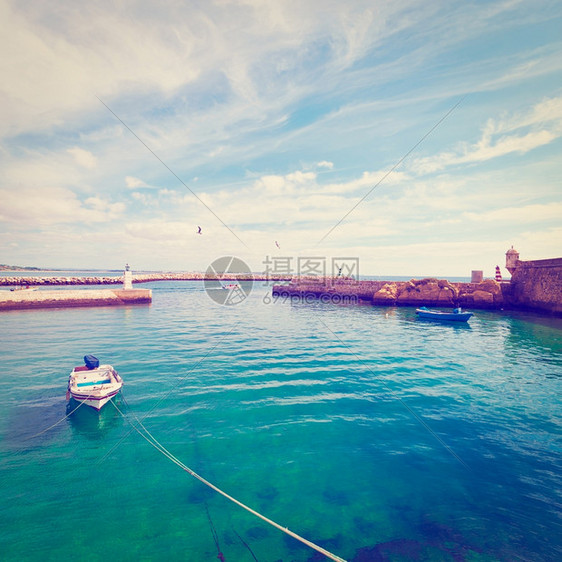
[337, 421]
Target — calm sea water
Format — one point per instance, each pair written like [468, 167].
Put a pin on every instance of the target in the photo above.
[373, 434]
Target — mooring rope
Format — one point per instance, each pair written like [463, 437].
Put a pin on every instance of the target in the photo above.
[245, 544]
[162, 398]
[57, 423]
[159, 447]
[220, 555]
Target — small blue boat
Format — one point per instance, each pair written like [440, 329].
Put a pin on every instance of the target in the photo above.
[456, 316]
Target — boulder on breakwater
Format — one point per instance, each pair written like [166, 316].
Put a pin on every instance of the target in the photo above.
[440, 292]
[427, 291]
[416, 292]
[36, 281]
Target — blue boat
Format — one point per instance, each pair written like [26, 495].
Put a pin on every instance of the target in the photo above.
[456, 316]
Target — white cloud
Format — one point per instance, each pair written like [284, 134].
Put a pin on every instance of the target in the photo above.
[57, 66]
[546, 111]
[520, 215]
[161, 230]
[113, 210]
[41, 168]
[539, 244]
[370, 76]
[135, 183]
[544, 121]
[43, 206]
[83, 157]
[367, 180]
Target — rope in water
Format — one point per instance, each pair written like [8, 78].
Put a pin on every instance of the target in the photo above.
[177, 383]
[147, 436]
[220, 555]
[56, 423]
[245, 544]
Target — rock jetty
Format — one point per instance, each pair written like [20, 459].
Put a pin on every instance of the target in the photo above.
[37, 281]
[416, 292]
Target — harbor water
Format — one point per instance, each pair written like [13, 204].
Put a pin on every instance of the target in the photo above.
[367, 431]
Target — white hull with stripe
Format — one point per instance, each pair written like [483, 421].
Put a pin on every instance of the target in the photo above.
[94, 387]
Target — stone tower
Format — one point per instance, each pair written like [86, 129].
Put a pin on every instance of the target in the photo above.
[511, 260]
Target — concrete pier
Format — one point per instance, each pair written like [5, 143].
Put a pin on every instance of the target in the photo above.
[26, 299]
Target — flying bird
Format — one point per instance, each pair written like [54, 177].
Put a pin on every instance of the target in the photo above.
[277, 244]
[199, 230]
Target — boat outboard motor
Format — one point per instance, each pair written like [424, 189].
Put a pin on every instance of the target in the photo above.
[91, 361]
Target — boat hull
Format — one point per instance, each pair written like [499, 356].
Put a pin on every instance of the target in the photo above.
[94, 387]
[95, 402]
[444, 316]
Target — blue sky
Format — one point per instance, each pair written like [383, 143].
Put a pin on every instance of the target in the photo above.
[281, 116]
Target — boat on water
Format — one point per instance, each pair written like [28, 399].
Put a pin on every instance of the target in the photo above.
[231, 286]
[456, 316]
[22, 288]
[93, 384]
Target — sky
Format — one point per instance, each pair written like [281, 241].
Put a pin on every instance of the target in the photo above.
[420, 138]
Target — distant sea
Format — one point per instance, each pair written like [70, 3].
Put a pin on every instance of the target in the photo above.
[363, 429]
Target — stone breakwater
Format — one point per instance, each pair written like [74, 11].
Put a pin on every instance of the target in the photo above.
[46, 281]
[17, 300]
[36, 281]
[423, 292]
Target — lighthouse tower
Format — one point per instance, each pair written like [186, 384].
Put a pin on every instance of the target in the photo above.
[511, 260]
[127, 278]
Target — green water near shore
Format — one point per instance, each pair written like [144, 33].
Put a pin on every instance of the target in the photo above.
[356, 427]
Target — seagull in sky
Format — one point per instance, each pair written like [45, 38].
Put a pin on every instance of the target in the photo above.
[199, 230]
[277, 244]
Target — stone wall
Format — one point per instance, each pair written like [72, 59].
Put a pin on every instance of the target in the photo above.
[537, 285]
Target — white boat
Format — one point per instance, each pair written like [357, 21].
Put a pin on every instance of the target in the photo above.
[93, 384]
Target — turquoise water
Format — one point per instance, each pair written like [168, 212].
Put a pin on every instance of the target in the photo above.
[371, 433]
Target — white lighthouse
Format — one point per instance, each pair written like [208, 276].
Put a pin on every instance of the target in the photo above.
[127, 278]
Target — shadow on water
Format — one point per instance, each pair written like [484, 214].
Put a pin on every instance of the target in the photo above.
[409, 549]
[544, 335]
[443, 323]
[35, 423]
[91, 423]
[39, 422]
[437, 542]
